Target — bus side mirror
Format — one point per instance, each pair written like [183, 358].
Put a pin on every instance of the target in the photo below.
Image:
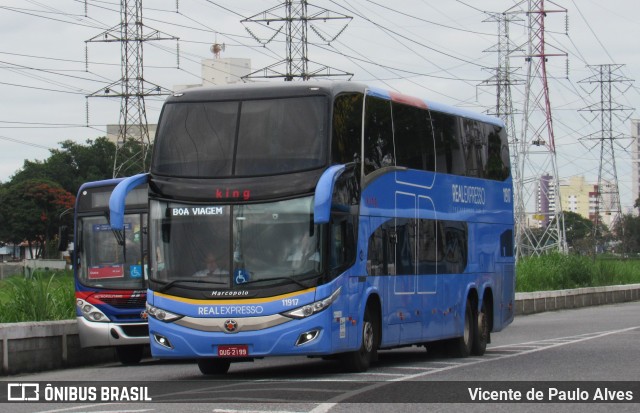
[324, 194]
[118, 198]
[63, 238]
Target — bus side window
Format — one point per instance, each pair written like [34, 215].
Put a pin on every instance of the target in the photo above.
[347, 128]
[344, 219]
[413, 137]
[506, 243]
[378, 135]
[430, 250]
[497, 166]
[455, 245]
[449, 155]
[381, 251]
[405, 231]
[474, 145]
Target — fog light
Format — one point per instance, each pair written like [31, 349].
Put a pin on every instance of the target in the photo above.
[307, 337]
[163, 341]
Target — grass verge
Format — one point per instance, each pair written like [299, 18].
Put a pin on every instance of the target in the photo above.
[46, 295]
[559, 272]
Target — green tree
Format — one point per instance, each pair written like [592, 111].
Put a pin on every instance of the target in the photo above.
[627, 230]
[579, 233]
[31, 211]
[72, 165]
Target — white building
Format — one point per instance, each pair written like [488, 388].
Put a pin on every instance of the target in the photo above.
[114, 130]
[221, 71]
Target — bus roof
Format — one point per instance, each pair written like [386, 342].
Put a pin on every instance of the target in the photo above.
[292, 89]
[264, 90]
[435, 106]
[99, 184]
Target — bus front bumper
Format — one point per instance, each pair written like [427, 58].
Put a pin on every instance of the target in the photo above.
[93, 334]
[309, 336]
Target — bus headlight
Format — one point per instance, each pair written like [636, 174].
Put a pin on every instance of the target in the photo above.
[313, 308]
[162, 315]
[91, 312]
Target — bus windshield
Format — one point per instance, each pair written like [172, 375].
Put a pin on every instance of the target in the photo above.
[106, 264]
[241, 138]
[230, 245]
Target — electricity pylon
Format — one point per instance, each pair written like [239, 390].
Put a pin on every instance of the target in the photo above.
[605, 80]
[296, 16]
[131, 88]
[503, 79]
[539, 186]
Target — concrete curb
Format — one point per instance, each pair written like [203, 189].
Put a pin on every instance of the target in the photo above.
[540, 301]
[50, 345]
[46, 345]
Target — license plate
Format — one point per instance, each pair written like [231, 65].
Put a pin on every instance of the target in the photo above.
[236, 350]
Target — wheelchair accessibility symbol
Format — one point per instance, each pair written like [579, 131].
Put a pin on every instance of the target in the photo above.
[135, 271]
[240, 276]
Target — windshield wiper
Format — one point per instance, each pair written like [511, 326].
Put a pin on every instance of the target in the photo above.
[174, 282]
[280, 278]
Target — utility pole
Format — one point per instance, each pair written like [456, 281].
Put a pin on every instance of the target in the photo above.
[503, 79]
[296, 16]
[606, 79]
[539, 186]
[131, 88]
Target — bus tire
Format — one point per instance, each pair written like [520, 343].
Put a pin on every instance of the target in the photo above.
[213, 366]
[129, 355]
[359, 361]
[461, 346]
[481, 333]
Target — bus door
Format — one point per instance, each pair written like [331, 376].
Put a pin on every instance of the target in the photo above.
[406, 289]
[430, 252]
[505, 260]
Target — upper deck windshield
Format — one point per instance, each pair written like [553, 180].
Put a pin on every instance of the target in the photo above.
[106, 264]
[236, 245]
[241, 138]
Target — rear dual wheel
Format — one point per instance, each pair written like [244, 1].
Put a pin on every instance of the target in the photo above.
[461, 346]
[476, 332]
[481, 334]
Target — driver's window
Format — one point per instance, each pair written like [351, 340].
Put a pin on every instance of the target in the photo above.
[344, 220]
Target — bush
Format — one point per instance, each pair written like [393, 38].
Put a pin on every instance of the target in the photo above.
[41, 297]
[557, 272]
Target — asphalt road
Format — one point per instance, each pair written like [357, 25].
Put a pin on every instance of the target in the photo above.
[573, 360]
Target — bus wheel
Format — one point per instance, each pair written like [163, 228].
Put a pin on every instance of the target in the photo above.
[213, 366]
[461, 346]
[359, 360]
[481, 333]
[129, 355]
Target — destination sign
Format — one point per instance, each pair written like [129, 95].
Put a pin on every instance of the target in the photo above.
[196, 211]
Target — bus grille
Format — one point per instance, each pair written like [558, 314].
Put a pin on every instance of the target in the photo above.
[135, 331]
[124, 303]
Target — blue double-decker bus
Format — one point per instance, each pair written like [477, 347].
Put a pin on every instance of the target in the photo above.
[110, 280]
[324, 219]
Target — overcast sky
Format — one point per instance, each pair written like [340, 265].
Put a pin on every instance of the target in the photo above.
[428, 48]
